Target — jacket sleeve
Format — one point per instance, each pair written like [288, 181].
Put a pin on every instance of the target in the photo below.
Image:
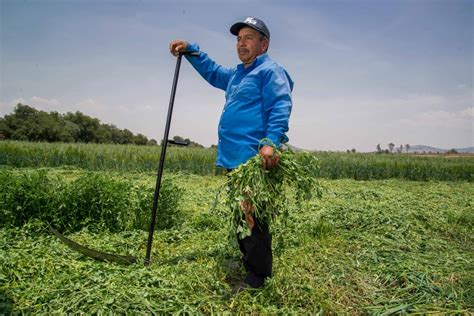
[277, 103]
[217, 75]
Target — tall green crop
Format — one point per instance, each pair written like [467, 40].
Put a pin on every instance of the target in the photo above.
[93, 198]
[333, 165]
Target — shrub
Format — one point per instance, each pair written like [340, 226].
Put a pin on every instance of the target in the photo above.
[92, 199]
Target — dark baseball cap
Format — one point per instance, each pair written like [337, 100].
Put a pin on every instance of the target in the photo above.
[252, 22]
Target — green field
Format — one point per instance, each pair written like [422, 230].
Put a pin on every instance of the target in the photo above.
[366, 247]
[360, 166]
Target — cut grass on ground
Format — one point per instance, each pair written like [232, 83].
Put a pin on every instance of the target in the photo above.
[365, 247]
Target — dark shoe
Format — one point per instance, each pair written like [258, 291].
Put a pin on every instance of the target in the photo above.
[254, 280]
[239, 287]
[233, 265]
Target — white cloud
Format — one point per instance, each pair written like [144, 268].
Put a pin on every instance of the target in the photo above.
[441, 119]
[104, 112]
[346, 108]
[90, 105]
[86, 106]
[417, 100]
[6, 107]
[361, 122]
[38, 103]
[45, 104]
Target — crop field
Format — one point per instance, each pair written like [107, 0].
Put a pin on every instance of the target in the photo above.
[386, 246]
[359, 166]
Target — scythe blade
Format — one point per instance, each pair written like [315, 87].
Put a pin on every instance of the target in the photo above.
[95, 254]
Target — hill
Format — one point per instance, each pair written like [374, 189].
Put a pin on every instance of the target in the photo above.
[428, 149]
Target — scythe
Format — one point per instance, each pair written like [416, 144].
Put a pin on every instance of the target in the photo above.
[103, 256]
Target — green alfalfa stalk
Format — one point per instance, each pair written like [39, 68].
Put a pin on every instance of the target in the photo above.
[268, 190]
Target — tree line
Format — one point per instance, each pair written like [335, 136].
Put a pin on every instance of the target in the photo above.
[29, 124]
[391, 147]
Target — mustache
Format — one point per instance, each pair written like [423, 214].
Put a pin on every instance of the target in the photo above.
[243, 50]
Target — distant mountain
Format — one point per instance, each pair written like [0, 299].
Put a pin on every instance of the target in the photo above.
[413, 149]
[465, 150]
[427, 149]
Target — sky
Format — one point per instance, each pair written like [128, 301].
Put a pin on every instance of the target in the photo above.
[366, 72]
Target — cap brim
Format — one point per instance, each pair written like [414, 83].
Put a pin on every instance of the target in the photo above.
[234, 29]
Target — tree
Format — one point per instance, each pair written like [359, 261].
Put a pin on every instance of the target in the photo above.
[3, 128]
[54, 128]
[5, 131]
[391, 146]
[105, 133]
[407, 146]
[17, 125]
[23, 111]
[88, 126]
[126, 137]
[27, 123]
[140, 139]
[152, 142]
[353, 150]
[179, 139]
[379, 149]
[115, 134]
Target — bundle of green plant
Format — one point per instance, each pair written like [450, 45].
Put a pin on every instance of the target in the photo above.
[268, 191]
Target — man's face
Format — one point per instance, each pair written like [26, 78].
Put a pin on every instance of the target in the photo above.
[250, 44]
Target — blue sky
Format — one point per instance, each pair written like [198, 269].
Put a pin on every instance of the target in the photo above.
[365, 72]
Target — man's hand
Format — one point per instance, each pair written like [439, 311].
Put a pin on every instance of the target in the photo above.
[269, 157]
[178, 46]
[248, 209]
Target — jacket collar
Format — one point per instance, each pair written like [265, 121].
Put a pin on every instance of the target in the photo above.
[257, 62]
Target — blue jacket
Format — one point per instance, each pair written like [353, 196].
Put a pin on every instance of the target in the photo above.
[258, 105]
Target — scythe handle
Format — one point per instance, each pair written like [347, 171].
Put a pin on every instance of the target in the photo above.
[163, 154]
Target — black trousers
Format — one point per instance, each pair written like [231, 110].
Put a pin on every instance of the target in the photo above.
[257, 254]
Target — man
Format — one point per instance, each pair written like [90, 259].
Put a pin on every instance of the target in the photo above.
[255, 115]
